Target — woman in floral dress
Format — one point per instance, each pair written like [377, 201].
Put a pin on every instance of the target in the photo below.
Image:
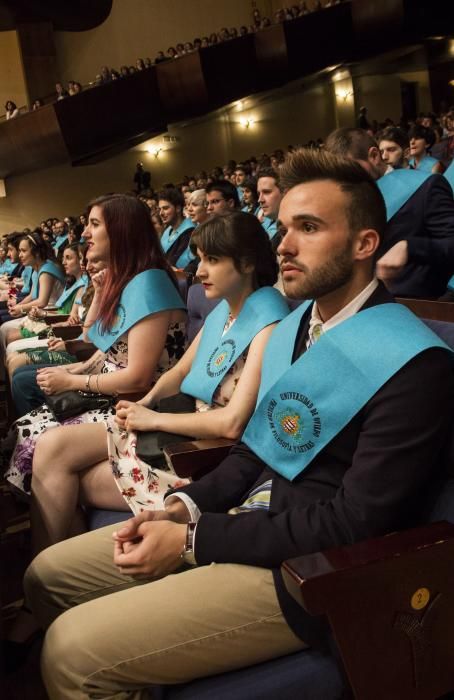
[238, 266]
[120, 233]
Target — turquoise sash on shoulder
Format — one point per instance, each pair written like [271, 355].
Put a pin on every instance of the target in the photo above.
[302, 406]
[449, 175]
[270, 227]
[6, 267]
[171, 235]
[426, 165]
[147, 293]
[185, 258]
[52, 269]
[397, 188]
[29, 276]
[64, 296]
[248, 210]
[217, 352]
[59, 241]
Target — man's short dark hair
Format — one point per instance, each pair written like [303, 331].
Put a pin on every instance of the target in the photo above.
[418, 131]
[366, 208]
[172, 195]
[243, 168]
[350, 143]
[227, 190]
[395, 134]
[269, 172]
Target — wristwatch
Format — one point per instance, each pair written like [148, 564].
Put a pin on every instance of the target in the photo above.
[188, 550]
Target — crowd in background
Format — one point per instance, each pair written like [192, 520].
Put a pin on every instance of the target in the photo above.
[107, 74]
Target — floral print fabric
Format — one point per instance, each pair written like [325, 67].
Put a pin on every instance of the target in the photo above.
[142, 486]
[19, 445]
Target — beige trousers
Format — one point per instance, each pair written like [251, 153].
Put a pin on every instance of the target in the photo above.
[119, 636]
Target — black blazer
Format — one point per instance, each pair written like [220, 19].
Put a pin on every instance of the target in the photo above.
[372, 478]
[426, 221]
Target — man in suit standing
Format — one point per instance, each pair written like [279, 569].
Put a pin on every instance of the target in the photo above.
[417, 255]
[327, 459]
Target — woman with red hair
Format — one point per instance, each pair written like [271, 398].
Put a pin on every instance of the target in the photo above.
[136, 320]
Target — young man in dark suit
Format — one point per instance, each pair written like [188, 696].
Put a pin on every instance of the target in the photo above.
[417, 255]
[338, 464]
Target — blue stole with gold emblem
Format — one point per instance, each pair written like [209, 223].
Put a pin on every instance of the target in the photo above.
[397, 188]
[171, 235]
[147, 293]
[302, 406]
[64, 296]
[217, 352]
[270, 227]
[425, 165]
[52, 269]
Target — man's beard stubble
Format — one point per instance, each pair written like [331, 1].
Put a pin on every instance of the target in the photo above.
[322, 280]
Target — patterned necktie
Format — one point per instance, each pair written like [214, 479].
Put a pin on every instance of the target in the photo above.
[315, 333]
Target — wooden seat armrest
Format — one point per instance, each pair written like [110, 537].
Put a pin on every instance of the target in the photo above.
[56, 318]
[197, 457]
[429, 308]
[312, 577]
[68, 332]
[390, 606]
[82, 350]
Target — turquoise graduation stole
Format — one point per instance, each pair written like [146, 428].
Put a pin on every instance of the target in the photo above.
[426, 165]
[59, 241]
[217, 352]
[28, 276]
[397, 188]
[6, 267]
[247, 210]
[270, 227]
[147, 293]
[185, 258]
[302, 406]
[64, 296]
[449, 175]
[52, 269]
[171, 235]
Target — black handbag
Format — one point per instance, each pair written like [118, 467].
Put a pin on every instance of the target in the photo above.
[150, 443]
[68, 404]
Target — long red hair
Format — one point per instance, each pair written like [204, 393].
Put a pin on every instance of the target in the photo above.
[134, 247]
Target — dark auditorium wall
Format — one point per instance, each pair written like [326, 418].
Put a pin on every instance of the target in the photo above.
[382, 93]
[140, 28]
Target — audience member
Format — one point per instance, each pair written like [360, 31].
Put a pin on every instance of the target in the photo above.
[60, 91]
[270, 197]
[177, 233]
[421, 140]
[394, 146]
[417, 254]
[11, 110]
[142, 178]
[221, 197]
